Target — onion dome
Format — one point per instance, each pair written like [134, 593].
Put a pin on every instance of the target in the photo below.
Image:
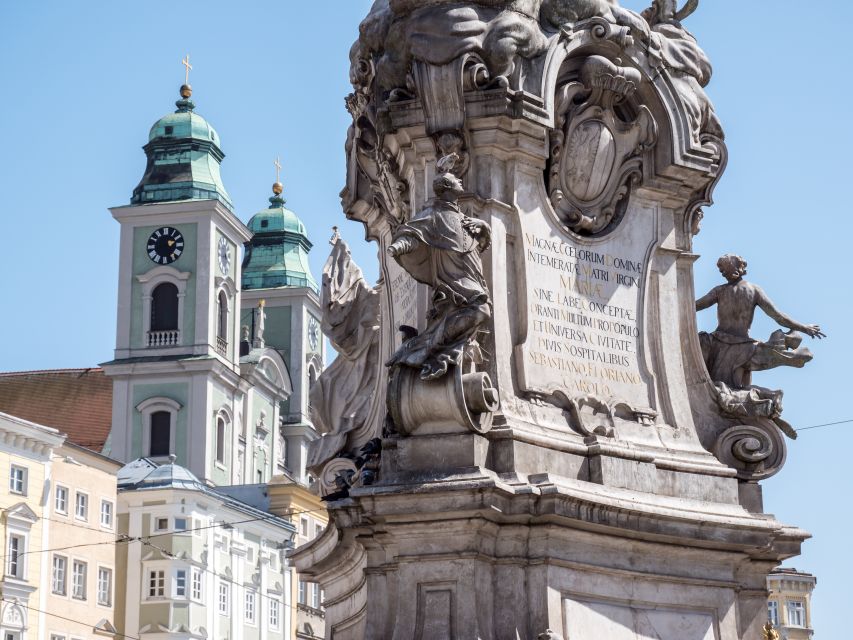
[277, 254]
[183, 159]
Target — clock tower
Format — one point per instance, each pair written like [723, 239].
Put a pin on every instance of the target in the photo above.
[180, 387]
[276, 273]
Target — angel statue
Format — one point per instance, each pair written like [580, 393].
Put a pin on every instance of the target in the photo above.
[731, 354]
[441, 247]
[688, 64]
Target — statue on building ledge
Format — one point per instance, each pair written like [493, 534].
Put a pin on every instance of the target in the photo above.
[731, 355]
[441, 247]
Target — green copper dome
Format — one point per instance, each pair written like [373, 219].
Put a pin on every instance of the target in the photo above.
[277, 254]
[183, 160]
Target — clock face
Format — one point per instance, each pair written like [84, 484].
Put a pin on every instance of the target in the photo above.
[313, 333]
[165, 245]
[223, 251]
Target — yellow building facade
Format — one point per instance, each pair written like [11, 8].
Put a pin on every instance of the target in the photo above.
[789, 605]
[308, 513]
[25, 464]
[81, 584]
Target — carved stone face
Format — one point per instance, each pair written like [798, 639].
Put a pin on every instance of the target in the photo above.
[448, 184]
[732, 267]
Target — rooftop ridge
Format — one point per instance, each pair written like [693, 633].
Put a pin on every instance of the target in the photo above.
[37, 371]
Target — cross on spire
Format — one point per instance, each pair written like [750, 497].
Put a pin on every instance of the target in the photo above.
[186, 63]
[277, 165]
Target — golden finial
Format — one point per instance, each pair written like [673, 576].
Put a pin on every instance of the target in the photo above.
[277, 187]
[186, 89]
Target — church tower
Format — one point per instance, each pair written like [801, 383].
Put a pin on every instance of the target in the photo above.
[179, 386]
[276, 276]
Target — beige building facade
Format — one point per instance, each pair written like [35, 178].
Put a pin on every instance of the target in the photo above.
[81, 505]
[308, 514]
[25, 465]
[789, 605]
[58, 526]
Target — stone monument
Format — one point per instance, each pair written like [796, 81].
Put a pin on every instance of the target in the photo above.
[521, 436]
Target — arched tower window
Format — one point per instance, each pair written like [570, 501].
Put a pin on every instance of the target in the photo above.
[222, 323]
[160, 434]
[164, 307]
[220, 440]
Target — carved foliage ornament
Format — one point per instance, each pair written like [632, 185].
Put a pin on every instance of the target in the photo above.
[596, 152]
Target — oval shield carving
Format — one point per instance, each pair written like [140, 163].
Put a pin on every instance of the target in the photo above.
[591, 155]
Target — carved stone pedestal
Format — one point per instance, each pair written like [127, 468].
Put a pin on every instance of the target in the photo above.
[472, 555]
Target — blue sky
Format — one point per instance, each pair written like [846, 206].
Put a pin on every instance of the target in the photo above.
[82, 83]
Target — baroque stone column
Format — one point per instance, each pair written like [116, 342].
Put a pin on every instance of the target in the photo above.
[571, 473]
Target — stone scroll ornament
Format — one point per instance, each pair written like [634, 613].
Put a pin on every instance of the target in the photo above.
[596, 155]
[731, 355]
[440, 247]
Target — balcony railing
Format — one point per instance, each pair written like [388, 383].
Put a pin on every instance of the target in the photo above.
[222, 346]
[169, 338]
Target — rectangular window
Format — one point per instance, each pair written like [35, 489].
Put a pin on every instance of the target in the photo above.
[274, 613]
[156, 584]
[181, 583]
[224, 598]
[251, 598]
[56, 636]
[18, 480]
[78, 580]
[14, 556]
[301, 597]
[105, 586]
[315, 596]
[180, 524]
[81, 506]
[107, 514]
[161, 524]
[59, 580]
[161, 434]
[60, 503]
[303, 527]
[318, 529]
[796, 614]
[197, 584]
[773, 612]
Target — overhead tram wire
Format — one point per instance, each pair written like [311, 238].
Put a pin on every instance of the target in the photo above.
[128, 539]
[826, 424]
[116, 634]
[222, 577]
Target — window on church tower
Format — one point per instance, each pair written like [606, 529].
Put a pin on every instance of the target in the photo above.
[222, 326]
[164, 307]
[220, 440]
[161, 428]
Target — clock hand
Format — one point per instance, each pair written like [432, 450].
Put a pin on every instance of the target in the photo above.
[171, 242]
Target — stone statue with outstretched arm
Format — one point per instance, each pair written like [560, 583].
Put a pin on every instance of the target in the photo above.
[441, 247]
[731, 354]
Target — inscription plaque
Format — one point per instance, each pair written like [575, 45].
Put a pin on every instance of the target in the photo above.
[584, 311]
